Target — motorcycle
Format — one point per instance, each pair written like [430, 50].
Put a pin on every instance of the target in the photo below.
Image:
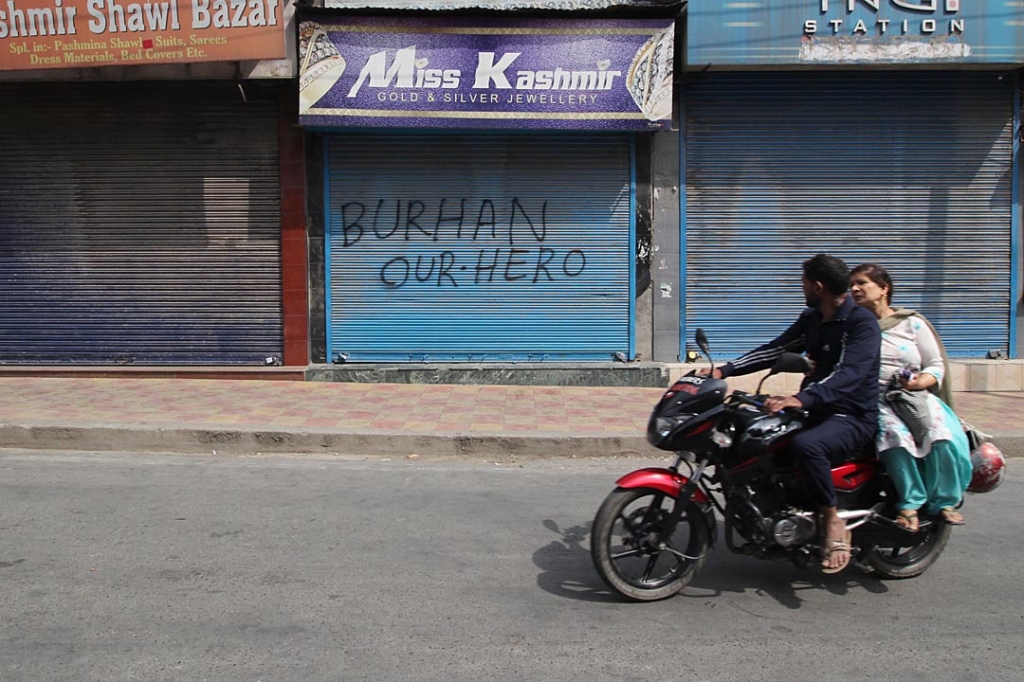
[652, 533]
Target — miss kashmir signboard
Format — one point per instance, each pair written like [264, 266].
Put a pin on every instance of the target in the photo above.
[54, 34]
[471, 73]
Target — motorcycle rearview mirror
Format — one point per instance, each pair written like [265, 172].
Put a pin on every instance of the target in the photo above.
[702, 342]
[792, 363]
[788, 363]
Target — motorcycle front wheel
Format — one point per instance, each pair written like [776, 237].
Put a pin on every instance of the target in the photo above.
[908, 555]
[629, 550]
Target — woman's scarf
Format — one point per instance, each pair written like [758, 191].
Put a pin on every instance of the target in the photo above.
[945, 389]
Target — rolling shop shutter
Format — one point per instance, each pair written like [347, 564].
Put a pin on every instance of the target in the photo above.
[479, 247]
[911, 170]
[140, 223]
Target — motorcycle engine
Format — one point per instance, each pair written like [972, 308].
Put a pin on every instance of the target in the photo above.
[792, 529]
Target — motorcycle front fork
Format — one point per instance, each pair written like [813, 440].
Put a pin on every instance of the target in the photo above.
[685, 493]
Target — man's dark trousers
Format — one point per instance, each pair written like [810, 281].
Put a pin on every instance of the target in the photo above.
[833, 439]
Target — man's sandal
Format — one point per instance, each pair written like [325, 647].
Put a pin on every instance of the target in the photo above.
[952, 516]
[907, 520]
[832, 546]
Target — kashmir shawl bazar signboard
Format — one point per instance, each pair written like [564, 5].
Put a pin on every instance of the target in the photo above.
[856, 32]
[502, 5]
[473, 73]
[54, 34]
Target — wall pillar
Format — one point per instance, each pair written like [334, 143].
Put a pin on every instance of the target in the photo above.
[294, 268]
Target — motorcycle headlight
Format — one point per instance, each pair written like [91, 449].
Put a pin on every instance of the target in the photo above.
[663, 425]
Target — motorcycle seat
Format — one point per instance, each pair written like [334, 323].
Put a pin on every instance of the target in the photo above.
[861, 455]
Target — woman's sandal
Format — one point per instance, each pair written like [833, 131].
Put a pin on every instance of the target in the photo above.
[833, 545]
[952, 516]
[907, 520]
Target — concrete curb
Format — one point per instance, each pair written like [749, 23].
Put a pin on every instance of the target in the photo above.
[499, 446]
[1010, 444]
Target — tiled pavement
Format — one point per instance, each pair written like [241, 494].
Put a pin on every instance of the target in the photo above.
[254, 416]
[415, 408]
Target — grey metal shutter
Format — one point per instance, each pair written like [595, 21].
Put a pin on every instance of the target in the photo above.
[908, 170]
[469, 246]
[139, 223]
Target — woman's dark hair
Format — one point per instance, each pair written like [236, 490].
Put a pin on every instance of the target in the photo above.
[878, 275]
[830, 271]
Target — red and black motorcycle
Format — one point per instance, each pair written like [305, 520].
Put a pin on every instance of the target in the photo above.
[653, 532]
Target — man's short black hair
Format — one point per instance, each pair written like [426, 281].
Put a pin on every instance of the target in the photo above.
[830, 271]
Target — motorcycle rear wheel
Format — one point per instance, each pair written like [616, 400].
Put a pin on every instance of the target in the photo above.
[627, 554]
[910, 554]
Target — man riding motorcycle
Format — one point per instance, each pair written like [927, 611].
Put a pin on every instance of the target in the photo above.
[842, 340]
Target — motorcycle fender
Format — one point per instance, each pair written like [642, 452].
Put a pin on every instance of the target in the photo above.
[671, 482]
[668, 482]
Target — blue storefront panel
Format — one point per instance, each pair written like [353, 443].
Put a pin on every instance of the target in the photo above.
[478, 246]
[140, 224]
[909, 170]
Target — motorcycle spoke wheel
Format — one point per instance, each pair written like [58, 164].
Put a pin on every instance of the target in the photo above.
[632, 555]
[908, 555]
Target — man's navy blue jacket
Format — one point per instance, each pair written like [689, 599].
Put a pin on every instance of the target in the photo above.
[846, 354]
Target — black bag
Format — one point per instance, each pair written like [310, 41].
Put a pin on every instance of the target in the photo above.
[975, 438]
[911, 407]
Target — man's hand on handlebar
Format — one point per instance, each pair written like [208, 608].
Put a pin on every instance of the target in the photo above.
[777, 403]
[715, 373]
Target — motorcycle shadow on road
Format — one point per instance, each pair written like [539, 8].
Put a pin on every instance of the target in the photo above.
[567, 571]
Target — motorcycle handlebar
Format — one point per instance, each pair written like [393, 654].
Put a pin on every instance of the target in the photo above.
[759, 404]
[744, 398]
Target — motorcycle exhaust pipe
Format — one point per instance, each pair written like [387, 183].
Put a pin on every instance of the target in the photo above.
[858, 517]
[855, 518]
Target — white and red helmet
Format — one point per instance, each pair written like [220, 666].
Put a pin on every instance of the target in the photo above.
[989, 465]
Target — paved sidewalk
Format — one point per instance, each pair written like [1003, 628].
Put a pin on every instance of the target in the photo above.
[255, 416]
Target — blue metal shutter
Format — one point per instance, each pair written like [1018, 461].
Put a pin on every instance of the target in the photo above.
[909, 170]
[413, 275]
[139, 223]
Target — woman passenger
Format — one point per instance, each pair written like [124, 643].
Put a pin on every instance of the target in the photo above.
[933, 475]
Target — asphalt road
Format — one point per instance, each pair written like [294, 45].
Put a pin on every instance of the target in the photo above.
[172, 567]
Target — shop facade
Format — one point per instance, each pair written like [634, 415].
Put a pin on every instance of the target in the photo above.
[146, 197]
[884, 132]
[481, 185]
